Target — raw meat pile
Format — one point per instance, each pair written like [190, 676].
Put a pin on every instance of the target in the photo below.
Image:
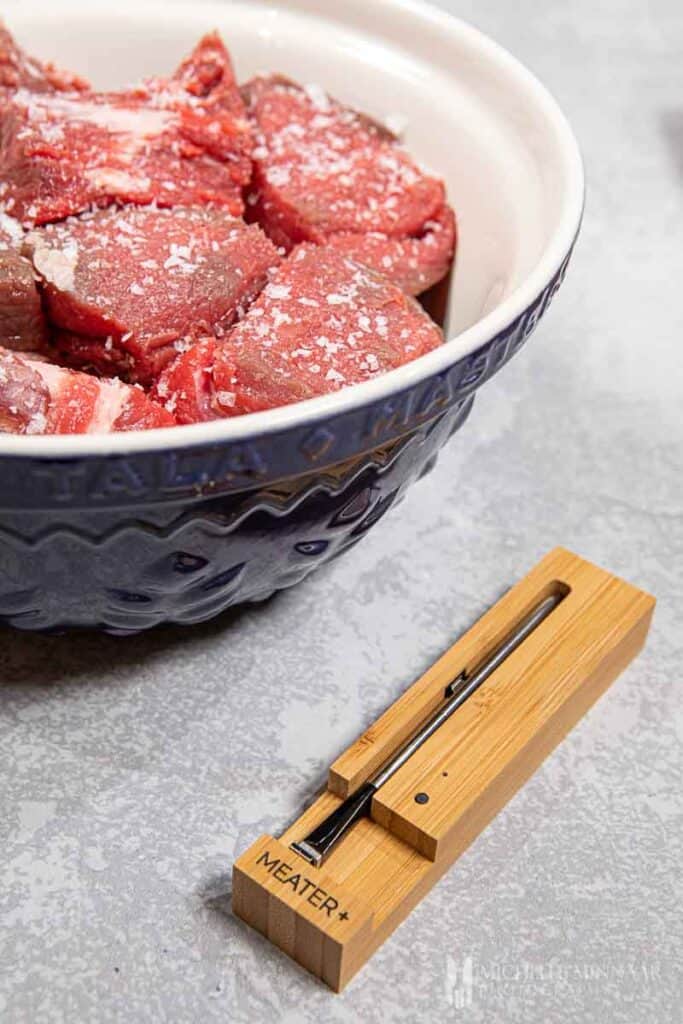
[183, 250]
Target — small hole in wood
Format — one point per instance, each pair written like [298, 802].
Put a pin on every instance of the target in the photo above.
[421, 798]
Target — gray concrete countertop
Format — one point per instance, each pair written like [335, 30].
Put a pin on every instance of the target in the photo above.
[134, 771]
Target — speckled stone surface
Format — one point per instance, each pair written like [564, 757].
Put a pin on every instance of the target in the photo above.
[134, 771]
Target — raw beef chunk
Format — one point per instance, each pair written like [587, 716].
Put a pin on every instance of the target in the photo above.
[414, 264]
[178, 141]
[18, 70]
[39, 398]
[22, 324]
[326, 174]
[127, 289]
[322, 322]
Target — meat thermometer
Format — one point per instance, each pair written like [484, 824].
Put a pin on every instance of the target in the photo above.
[319, 843]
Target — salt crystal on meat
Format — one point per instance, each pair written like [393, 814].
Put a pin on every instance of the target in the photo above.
[327, 174]
[273, 356]
[92, 286]
[171, 141]
[39, 398]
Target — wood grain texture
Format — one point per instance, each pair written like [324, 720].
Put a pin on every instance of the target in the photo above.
[469, 769]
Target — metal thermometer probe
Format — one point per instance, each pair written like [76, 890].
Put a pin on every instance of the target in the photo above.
[318, 843]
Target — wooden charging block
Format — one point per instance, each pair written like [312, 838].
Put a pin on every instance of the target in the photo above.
[331, 919]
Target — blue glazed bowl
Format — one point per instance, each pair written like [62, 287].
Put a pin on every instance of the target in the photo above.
[122, 532]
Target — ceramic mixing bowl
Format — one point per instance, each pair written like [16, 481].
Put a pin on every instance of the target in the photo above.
[124, 531]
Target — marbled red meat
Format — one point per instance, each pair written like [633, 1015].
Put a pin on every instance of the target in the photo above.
[175, 141]
[324, 173]
[18, 69]
[39, 398]
[125, 290]
[323, 322]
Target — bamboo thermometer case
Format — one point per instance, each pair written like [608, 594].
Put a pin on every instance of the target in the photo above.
[331, 916]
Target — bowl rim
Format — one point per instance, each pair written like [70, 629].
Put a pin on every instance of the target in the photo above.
[521, 299]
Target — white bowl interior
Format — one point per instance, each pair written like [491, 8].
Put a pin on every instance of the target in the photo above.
[471, 112]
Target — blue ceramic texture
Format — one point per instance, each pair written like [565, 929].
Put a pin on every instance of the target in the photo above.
[123, 543]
